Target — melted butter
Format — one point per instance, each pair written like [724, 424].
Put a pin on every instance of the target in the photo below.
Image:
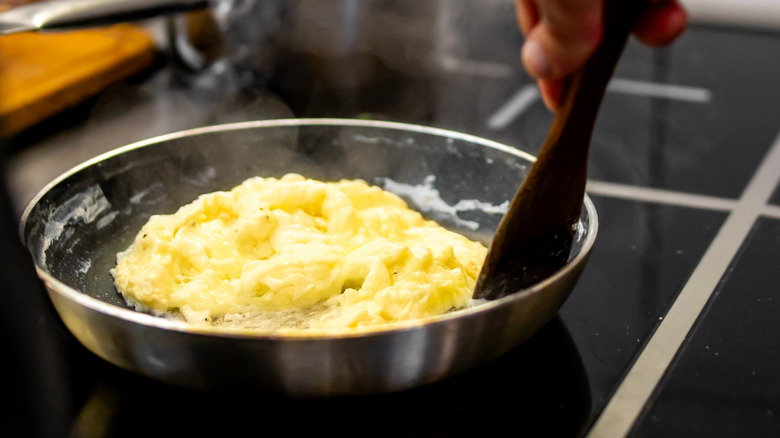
[296, 253]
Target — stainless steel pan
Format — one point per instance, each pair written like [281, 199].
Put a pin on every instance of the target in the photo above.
[77, 224]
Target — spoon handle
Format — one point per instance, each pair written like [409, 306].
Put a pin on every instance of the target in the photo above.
[525, 248]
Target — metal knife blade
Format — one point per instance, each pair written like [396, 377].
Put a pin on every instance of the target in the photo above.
[80, 13]
[8, 27]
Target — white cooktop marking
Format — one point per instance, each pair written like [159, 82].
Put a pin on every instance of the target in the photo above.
[772, 211]
[516, 105]
[492, 70]
[667, 91]
[660, 196]
[632, 395]
[762, 14]
[529, 94]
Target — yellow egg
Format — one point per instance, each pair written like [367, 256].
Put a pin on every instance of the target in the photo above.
[296, 253]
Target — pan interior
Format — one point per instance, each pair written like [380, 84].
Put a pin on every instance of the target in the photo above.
[76, 226]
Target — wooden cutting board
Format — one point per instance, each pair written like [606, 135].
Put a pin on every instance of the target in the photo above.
[42, 74]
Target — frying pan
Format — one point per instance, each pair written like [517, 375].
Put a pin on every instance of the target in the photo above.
[77, 224]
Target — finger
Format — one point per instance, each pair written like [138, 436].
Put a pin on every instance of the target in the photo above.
[527, 15]
[552, 92]
[660, 23]
[567, 33]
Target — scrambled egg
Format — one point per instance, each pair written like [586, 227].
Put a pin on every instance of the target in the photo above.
[296, 253]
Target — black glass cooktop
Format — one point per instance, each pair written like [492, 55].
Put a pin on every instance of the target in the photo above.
[671, 331]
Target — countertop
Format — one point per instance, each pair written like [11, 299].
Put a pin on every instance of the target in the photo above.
[671, 331]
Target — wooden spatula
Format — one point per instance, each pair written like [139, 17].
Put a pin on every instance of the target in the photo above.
[535, 236]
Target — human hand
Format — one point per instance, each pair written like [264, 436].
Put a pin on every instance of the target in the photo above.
[560, 36]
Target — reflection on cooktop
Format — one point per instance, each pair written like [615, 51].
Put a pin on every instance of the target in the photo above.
[540, 385]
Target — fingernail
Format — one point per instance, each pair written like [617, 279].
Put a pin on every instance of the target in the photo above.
[535, 60]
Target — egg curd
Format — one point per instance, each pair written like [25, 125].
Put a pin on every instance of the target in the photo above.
[296, 253]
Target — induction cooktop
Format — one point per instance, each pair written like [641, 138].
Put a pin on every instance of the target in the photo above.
[671, 331]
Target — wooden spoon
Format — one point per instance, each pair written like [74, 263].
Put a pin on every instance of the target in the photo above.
[535, 236]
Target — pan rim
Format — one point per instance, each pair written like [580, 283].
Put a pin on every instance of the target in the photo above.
[149, 320]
